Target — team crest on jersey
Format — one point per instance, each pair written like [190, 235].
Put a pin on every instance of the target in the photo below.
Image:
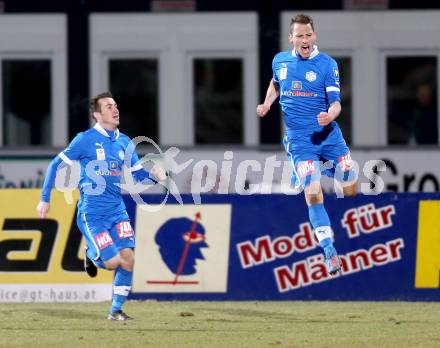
[310, 76]
[296, 85]
[100, 153]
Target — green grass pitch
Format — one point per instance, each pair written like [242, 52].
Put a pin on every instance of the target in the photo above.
[223, 324]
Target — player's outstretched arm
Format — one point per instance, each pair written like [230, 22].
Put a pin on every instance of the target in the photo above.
[139, 173]
[273, 92]
[156, 174]
[44, 206]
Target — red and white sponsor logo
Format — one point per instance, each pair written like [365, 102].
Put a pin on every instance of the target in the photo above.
[103, 240]
[305, 168]
[124, 229]
[345, 162]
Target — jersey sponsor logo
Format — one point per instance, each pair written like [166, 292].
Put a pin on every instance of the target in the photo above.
[106, 172]
[124, 229]
[298, 94]
[296, 85]
[103, 240]
[305, 168]
[310, 76]
[100, 153]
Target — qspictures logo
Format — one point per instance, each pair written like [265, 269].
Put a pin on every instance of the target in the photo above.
[182, 249]
[206, 176]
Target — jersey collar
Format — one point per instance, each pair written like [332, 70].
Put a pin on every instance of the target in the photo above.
[101, 130]
[314, 53]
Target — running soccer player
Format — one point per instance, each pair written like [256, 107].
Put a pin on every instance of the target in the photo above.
[307, 83]
[102, 216]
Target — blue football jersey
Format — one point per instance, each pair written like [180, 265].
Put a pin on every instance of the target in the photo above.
[101, 157]
[307, 87]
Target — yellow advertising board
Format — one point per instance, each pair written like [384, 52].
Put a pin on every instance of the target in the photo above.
[42, 251]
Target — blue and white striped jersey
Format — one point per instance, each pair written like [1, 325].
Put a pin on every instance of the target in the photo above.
[307, 87]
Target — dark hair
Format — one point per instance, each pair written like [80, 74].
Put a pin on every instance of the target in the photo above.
[94, 105]
[302, 19]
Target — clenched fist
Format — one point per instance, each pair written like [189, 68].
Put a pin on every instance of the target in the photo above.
[262, 110]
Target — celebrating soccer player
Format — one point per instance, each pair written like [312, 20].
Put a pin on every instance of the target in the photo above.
[102, 217]
[307, 83]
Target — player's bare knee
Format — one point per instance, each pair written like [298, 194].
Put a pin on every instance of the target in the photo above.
[127, 259]
[127, 264]
[313, 194]
[113, 263]
[313, 198]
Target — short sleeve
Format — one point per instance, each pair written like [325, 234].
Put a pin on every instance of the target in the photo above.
[332, 86]
[74, 151]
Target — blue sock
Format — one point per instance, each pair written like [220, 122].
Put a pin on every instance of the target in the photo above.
[318, 215]
[121, 288]
[319, 218]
